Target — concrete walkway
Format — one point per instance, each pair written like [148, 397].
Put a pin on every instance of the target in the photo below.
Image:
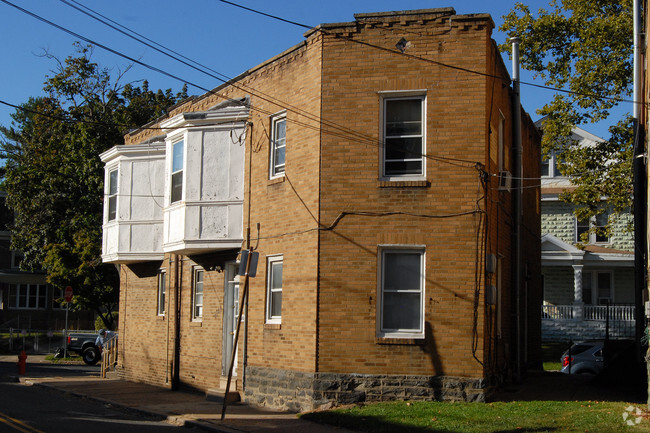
[177, 407]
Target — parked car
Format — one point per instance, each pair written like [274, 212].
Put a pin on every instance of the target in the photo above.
[84, 345]
[585, 357]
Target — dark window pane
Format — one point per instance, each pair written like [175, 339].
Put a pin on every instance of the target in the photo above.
[411, 167]
[402, 271]
[402, 311]
[403, 148]
[112, 208]
[177, 187]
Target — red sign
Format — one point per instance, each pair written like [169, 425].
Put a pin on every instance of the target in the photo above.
[68, 294]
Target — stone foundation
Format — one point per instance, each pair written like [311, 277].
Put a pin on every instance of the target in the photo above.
[297, 391]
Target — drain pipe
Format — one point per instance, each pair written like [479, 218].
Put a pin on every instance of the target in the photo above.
[177, 325]
[516, 198]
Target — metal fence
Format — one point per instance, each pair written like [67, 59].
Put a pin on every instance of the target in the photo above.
[33, 340]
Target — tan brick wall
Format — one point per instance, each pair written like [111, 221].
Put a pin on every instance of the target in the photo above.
[330, 88]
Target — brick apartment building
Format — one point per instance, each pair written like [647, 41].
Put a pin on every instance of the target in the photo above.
[374, 157]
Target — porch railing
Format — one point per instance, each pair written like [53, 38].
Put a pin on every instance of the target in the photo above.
[590, 312]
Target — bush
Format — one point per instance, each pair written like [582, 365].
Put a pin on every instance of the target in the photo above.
[99, 323]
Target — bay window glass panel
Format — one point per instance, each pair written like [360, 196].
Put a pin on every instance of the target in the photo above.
[112, 195]
[177, 172]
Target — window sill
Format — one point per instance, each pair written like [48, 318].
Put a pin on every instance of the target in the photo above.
[272, 326]
[198, 323]
[404, 184]
[400, 341]
[160, 317]
[275, 180]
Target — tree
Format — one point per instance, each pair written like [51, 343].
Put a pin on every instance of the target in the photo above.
[54, 177]
[585, 48]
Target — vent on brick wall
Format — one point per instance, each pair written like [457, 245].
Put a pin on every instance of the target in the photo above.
[505, 181]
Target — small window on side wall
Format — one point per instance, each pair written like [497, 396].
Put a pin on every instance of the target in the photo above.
[274, 267]
[162, 289]
[278, 145]
[197, 295]
[401, 297]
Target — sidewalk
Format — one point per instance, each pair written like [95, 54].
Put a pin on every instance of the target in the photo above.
[177, 407]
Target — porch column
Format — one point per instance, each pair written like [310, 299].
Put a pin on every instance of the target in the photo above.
[578, 305]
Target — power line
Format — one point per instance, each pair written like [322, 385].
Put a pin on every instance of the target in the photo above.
[572, 92]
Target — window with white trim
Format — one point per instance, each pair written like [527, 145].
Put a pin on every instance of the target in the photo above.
[162, 289]
[178, 155]
[401, 292]
[403, 152]
[28, 296]
[278, 145]
[197, 294]
[595, 229]
[274, 266]
[550, 165]
[112, 195]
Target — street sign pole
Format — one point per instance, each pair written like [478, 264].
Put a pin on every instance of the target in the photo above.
[68, 298]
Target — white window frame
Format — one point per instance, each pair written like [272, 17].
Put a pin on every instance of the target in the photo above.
[593, 224]
[178, 172]
[383, 251]
[403, 95]
[162, 292]
[197, 301]
[276, 169]
[551, 162]
[112, 192]
[271, 262]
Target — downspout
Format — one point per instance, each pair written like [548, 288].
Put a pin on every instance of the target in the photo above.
[177, 325]
[516, 199]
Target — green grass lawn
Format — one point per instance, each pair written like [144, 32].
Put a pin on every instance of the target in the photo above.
[498, 417]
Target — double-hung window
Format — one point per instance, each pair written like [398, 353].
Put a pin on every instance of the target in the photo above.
[403, 152]
[112, 195]
[595, 229]
[401, 297]
[274, 289]
[278, 145]
[178, 153]
[162, 288]
[197, 295]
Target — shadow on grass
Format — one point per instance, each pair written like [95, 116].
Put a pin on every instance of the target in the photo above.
[377, 424]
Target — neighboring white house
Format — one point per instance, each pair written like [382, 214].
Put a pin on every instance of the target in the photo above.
[588, 284]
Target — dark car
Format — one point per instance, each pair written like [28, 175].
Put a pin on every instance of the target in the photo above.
[585, 357]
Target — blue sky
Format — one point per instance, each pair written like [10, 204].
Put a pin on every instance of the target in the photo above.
[225, 38]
